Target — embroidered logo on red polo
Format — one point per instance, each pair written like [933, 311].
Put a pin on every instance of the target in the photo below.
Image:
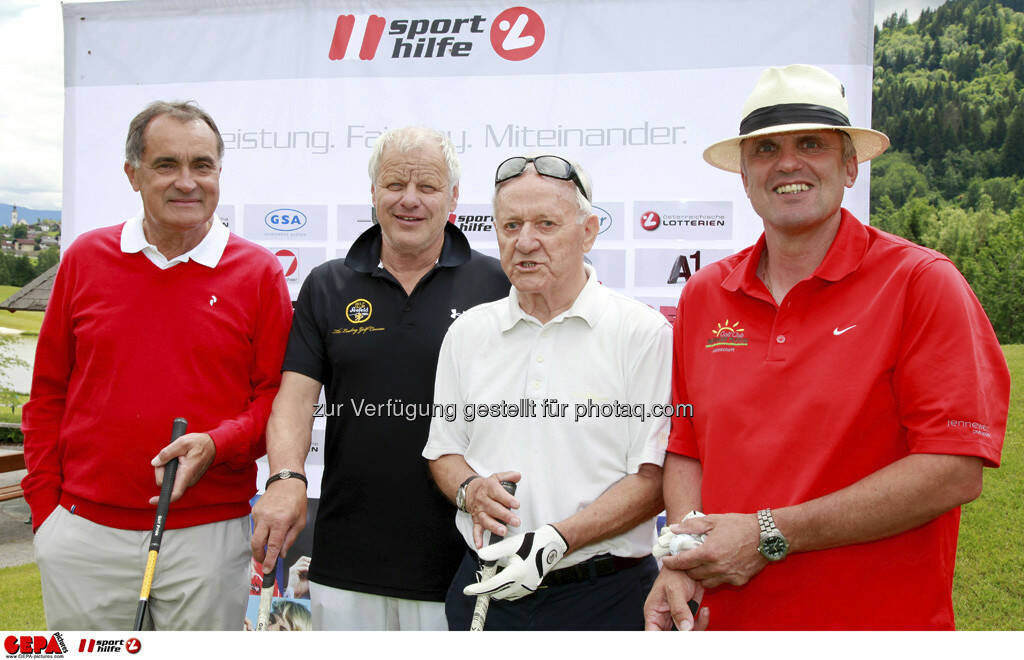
[727, 337]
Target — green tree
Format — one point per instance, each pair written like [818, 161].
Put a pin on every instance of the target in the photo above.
[46, 259]
[1012, 154]
[895, 176]
[19, 231]
[22, 272]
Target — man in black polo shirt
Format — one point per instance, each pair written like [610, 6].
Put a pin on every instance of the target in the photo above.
[368, 328]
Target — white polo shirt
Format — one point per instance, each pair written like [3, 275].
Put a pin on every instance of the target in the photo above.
[608, 355]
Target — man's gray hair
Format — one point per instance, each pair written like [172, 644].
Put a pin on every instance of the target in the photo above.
[586, 209]
[406, 139]
[183, 111]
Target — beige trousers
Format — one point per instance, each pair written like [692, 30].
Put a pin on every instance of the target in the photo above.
[91, 575]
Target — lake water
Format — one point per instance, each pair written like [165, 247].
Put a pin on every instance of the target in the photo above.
[20, 378]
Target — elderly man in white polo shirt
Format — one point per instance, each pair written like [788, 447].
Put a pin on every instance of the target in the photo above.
[583, 373]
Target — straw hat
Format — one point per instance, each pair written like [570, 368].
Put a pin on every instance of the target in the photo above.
[798, 97]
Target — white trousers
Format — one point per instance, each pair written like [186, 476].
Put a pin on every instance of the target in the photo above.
[340, 609]
[91, 575]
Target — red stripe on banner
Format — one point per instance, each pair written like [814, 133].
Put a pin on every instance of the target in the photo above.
[374, 30]
[342, 34]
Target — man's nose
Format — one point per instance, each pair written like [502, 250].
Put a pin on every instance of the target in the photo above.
[410, 196]
[185, 181]
[789, 158]
[527, 239]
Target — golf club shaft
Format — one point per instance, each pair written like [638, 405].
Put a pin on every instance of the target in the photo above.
[170, 470]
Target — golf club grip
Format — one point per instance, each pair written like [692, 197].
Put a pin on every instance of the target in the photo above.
[487, 571]
[266, 595]
[170, 470]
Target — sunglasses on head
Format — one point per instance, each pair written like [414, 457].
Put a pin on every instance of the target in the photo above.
[553, 166]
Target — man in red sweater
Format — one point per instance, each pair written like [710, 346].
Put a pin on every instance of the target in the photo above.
[165, 315]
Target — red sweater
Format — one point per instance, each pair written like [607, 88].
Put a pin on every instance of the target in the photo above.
[124, 349]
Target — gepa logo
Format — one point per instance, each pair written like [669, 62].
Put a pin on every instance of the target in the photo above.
[285, 219]
[35, 644]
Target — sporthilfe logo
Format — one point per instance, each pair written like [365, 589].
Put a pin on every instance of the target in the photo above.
[516, 34]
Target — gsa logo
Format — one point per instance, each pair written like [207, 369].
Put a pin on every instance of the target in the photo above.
[604, 219]
[285, 220]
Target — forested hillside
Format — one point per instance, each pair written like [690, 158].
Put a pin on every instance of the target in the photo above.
[949, 92]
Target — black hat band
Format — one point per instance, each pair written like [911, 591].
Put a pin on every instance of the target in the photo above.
[791, 113]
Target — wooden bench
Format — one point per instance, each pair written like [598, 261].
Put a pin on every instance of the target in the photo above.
[11, 463]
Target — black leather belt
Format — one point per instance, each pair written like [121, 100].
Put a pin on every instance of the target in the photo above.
[595, 567]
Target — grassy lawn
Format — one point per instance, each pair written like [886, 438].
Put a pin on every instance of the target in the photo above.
[27, 322]
[988, 590]
[22, 601]
[13, 416]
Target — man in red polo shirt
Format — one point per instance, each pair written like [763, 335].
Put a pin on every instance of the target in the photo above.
[847, 390]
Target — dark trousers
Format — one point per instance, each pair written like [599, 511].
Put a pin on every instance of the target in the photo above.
[611, 602]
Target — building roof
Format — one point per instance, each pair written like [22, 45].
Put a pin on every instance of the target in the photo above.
[33, 296]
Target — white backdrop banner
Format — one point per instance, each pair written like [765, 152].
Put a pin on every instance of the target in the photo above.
[632, 89]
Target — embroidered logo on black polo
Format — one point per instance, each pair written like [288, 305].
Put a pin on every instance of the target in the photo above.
[359, 310]
[727, 337]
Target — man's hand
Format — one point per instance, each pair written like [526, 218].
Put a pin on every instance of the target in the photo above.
[529, 557]
[669, 603]
[195, 453]
[279, 517]
[491, 505]
[729, 553]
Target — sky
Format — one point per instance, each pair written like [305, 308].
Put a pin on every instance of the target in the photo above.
[32, 100]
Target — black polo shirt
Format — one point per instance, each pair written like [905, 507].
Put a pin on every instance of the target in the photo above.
[382, 526]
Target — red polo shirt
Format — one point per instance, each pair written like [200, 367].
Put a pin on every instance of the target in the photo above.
[883, 352]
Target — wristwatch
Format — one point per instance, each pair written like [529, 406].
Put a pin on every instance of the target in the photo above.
[773, 545]
[286, 474]
[460, 494]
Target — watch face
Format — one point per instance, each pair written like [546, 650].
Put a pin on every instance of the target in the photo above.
[774, 547]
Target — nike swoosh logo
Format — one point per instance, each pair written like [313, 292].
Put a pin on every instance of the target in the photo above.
[838, 332]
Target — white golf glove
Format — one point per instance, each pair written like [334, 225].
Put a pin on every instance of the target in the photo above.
[670, 543]
[527, 558]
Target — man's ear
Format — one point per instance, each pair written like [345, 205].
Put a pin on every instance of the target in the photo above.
[455, 198]
[591, 227]
[852, 168]
[130, 172]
